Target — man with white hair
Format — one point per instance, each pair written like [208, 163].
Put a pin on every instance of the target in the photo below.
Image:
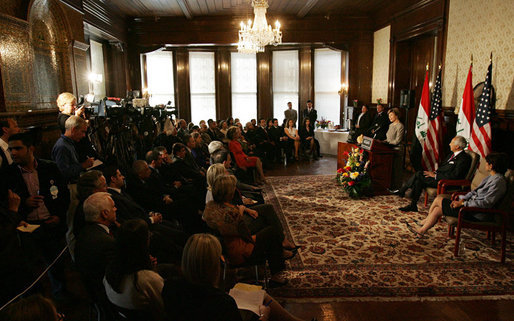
[95, 245]
[64, 152]
[456, 166]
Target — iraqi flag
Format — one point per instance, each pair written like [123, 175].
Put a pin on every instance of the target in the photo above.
[467, 109]
[422, 121]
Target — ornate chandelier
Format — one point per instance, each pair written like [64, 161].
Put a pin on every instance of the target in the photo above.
[253, 38]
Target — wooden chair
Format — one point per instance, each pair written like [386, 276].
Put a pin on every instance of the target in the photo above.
[451, 185]
[499, 218]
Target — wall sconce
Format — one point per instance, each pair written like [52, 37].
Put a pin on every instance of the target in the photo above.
[343, 90]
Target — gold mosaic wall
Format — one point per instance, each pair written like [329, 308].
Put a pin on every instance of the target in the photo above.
[478, 27]
[379, 86]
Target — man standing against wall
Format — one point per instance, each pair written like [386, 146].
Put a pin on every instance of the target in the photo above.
[311, 113]
[290, 113]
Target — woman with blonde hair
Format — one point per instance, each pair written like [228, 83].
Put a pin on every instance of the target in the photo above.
[196, 295]
[67, 103]
[213, 172]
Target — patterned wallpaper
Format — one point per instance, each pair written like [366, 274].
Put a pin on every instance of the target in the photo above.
[478, 27]
[381, 45]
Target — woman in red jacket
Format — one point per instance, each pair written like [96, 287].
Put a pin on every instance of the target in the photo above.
[243, 161]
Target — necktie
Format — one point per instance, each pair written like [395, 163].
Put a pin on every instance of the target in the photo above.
[453, 155]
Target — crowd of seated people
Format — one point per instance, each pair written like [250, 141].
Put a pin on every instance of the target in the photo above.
[121, 224]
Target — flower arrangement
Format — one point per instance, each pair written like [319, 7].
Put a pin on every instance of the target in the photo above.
[355, 102]
[379, 101]
[323, 123]
[353, 177]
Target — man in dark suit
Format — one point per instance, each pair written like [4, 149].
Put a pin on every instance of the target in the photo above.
[44, 201]
[380, 124]
[311, 113]
[95, 246]
[166, 240]
[456, 166]
[8, 127]
[276, 133]
[363, 122]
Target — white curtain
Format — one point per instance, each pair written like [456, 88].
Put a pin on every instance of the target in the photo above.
[244, 86]
[285, 82]
[159, 73]
[97, 68]
[327, 82]
[202, 84]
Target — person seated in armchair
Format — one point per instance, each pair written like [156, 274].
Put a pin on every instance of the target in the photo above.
[486, 195]
[455, 166]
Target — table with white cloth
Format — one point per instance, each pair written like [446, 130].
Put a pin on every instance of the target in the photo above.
[328, 140]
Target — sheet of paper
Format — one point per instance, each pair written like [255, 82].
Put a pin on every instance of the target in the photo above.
[247, 297]
[28, 229]
[96, 163]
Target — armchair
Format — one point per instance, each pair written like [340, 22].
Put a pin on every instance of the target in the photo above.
[498, 218]
[447, 185]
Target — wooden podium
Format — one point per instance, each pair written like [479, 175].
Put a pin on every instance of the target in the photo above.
[380, 168]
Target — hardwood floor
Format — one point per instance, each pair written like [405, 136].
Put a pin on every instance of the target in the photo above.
[397, 310]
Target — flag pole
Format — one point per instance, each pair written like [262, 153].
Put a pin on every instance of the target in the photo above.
[491, 58]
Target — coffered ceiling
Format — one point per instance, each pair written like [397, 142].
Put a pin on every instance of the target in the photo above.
[194, 8]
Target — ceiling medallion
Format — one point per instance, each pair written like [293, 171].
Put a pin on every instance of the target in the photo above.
[253, 38]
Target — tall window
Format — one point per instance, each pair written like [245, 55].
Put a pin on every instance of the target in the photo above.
[202, 84]
[159, 77]
[97, 76]
[327, 82]
[244, 86]
[285, 82]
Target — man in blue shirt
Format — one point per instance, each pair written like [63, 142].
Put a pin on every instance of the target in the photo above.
[64, 152]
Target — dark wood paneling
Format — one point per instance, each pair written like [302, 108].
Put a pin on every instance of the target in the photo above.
[264, 85]
[115, 69]
[223, 30]
[306, 86]
[182, 90]
[360, 66]
[223, 84]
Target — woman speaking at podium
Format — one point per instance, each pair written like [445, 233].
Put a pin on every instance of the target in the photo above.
[395, 132]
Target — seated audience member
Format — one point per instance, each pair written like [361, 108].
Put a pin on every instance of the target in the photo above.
[44, 201]
[166, 241]
[223, 127]
[242, 160]
[196, 296]
[89, 183]
[168, 137]
[307, 138]
[455, 166]
[230, 122]
[199, 152]
[182, 129]
[293, 137]
[394, 135]
[214, 171]
[189, 158]
[14, 263]
[262, 140]
[491, 190]
[380, 125]
[222, 156]
[8, 127]
[205, 135]
[276, 133]
[65, 154]
[34, 307]
[130, 281]
[243, 246]
[214, 146]
[361, 124]
[214, 131]
[95, 246]
[183, 163]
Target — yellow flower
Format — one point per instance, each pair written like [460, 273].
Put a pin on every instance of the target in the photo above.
[345, 174]
[354, 175]
[358, 164]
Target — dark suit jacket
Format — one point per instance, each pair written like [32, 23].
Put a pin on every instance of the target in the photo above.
[380, 125]
[48, 175]
[313, 115]
[127, 208]
[364, 123]
[94, 249]
[276, 133]
[147, 196]
[457, 168]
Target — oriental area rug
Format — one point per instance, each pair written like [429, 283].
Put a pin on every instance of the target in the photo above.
[362, 248]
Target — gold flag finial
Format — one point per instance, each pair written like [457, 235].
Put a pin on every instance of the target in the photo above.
[439, 66]
[427, 66]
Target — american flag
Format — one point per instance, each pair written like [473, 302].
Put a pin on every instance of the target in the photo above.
[480, 141]
[434, 132]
